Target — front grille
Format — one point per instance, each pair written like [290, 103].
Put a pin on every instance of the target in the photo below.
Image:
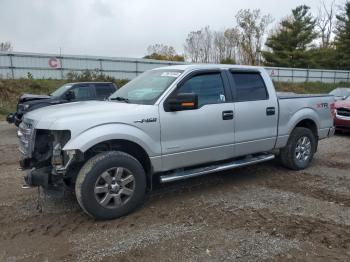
[26, 135]
[343, 112]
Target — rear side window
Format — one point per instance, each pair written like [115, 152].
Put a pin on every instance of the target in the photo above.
[208, 87]
[249, 87]
[103, 90]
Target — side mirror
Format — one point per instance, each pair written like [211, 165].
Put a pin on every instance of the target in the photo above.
[70, 95]
[181, 102]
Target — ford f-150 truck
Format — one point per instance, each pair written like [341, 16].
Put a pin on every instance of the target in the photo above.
[169, 123]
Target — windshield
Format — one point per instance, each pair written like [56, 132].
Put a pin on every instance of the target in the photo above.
[348, 98]
[61, 90]
[146, 88]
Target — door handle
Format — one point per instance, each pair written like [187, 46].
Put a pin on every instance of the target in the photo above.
[227, 115]
[270, 111]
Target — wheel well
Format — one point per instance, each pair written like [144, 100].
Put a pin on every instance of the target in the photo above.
[126, 146]
[310, 124]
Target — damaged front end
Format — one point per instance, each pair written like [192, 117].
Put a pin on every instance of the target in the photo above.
[42, 155]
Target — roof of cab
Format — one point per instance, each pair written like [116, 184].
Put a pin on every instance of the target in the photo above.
[188, 67]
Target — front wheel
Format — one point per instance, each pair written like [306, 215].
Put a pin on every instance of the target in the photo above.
[300, 149]
[110, 185]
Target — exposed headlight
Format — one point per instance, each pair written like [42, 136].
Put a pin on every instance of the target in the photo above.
[71, 152]
[19, 133]
[22, 108]
[56, 159]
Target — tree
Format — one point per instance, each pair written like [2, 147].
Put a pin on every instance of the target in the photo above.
[342, 38]
[163, 52]
[225, 45]
[198, 45]
[325, 22]
[324, 58]
[289, 44]
[205, 46]
[232, 36]
[252, 26]
[6, 47]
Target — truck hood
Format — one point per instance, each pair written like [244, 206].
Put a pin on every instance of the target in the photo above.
[30, 97]
[79, 116]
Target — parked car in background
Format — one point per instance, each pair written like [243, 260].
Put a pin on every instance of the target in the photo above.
[169, 123]
[71, 92]
[342, 117]
[340, 93]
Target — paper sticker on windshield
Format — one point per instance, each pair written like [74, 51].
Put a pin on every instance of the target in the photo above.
[171, 74]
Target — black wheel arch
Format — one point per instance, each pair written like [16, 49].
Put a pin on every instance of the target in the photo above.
[309, 124]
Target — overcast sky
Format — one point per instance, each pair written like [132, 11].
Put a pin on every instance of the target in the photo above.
[120, 27]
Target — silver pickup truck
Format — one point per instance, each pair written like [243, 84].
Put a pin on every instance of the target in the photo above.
[169, 123]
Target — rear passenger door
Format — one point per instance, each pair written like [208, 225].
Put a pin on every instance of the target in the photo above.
[103, 91]
[256, 115]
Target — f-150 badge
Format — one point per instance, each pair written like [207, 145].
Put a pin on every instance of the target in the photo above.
[146, 120]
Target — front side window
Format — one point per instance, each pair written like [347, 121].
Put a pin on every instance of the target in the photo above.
[148, 87]
[249, 86]
[209, 88]
[81, 92]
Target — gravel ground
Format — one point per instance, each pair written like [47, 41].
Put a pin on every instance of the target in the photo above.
[257, 213]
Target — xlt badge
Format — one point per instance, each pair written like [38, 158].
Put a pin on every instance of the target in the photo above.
[146, 120]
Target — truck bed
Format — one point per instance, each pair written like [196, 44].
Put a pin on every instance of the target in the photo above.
[294, 107]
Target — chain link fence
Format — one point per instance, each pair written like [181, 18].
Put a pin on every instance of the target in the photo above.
[14, 65]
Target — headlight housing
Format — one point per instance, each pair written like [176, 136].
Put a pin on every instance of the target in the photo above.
[22, 108]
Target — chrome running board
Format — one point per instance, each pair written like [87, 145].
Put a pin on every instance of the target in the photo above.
[180, 175]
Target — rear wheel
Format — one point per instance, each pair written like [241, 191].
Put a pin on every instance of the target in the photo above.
[300, 149]
[110, 185]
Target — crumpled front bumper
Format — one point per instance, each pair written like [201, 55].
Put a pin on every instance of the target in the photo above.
[14, 118]
[38, 177]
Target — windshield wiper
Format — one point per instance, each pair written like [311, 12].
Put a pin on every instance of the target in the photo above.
[119, 98]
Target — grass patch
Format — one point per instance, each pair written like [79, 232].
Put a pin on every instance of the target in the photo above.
[10, 90]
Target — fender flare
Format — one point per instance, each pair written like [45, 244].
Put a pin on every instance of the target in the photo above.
[301, 115]
[114, 131]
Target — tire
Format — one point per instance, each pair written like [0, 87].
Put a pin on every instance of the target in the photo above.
[110, 185]
[292, 156]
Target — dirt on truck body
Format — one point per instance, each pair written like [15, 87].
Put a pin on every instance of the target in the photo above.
[257, 213]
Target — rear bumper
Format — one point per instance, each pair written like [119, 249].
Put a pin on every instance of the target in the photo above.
[331, 131]
[326, 132]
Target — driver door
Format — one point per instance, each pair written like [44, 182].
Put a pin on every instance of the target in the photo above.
[200, 135]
